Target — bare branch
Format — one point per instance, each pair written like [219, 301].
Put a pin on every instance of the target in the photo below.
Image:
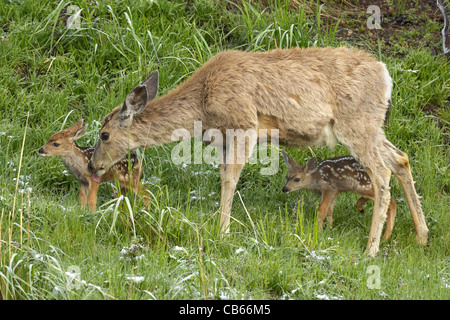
[444, 31]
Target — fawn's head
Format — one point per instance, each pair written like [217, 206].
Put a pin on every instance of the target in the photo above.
[117, 135]
[60, 144]
[298, 177]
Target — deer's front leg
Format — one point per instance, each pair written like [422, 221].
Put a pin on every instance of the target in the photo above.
[229, 174]
[330, 209]
[92, 197]
[230, 171]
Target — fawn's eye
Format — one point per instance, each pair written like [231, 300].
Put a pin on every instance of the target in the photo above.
[55, 144]
[104, 136]
[297, 180]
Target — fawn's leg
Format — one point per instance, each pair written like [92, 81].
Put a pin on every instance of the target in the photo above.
[398, 162]
[92, 196]
[113, 190]
[392, 211]
[142, 192]
[360, 204]
[135, 183]
[83, 195]
[330, 210]
[328, 197]
[138, 187]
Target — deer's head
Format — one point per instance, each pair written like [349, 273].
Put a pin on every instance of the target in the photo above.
[118, 134]
[298, 177]
[60, 144]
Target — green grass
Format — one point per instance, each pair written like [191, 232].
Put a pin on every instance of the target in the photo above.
[173, 250]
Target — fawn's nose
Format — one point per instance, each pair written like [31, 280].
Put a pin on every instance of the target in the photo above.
[41, 151]
[285, 190]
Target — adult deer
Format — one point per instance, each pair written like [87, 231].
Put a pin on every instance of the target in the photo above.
[314, 96]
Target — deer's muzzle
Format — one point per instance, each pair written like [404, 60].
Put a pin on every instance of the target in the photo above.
[96, 173]
[42, 152]
[90, 167]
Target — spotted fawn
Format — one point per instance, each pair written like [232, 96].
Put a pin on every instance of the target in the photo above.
[331, 177]
[76, 159]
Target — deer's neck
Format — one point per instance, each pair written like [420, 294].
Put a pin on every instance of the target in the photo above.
[176, 110]
[77, 162]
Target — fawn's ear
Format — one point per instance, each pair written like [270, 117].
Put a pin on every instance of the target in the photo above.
[288, 161]
[80, 130]
[311, 165]
[138, 97]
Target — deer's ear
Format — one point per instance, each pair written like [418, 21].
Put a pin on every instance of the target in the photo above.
[138, 97]
[311, 165]
[288, 161]
[79, 129]
[151, 84]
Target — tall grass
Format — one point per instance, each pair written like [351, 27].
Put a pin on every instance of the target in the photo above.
[52, 76]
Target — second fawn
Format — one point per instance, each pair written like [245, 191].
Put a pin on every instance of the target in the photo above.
[76, 159]
[331, 177]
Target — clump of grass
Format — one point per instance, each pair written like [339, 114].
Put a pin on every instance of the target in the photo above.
[283, 28]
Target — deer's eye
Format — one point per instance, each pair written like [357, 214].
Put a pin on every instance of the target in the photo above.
[55, 144]
[104, 136]
[297, 180]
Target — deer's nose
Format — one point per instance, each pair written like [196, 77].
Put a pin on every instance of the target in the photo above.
[41, 151]
[285, 190]
[90, 168]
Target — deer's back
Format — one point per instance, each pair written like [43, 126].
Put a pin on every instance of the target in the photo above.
[344, 174]
[298, 91]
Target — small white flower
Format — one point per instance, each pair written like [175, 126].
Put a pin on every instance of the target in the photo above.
[136, 279]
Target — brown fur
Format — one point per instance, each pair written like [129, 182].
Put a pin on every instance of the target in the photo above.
[331, 177]
[76, 159]
[342, 96]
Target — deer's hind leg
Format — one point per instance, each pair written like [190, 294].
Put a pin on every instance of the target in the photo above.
[392, 211]
[370, 158]
[398, 162]
[380, 176]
